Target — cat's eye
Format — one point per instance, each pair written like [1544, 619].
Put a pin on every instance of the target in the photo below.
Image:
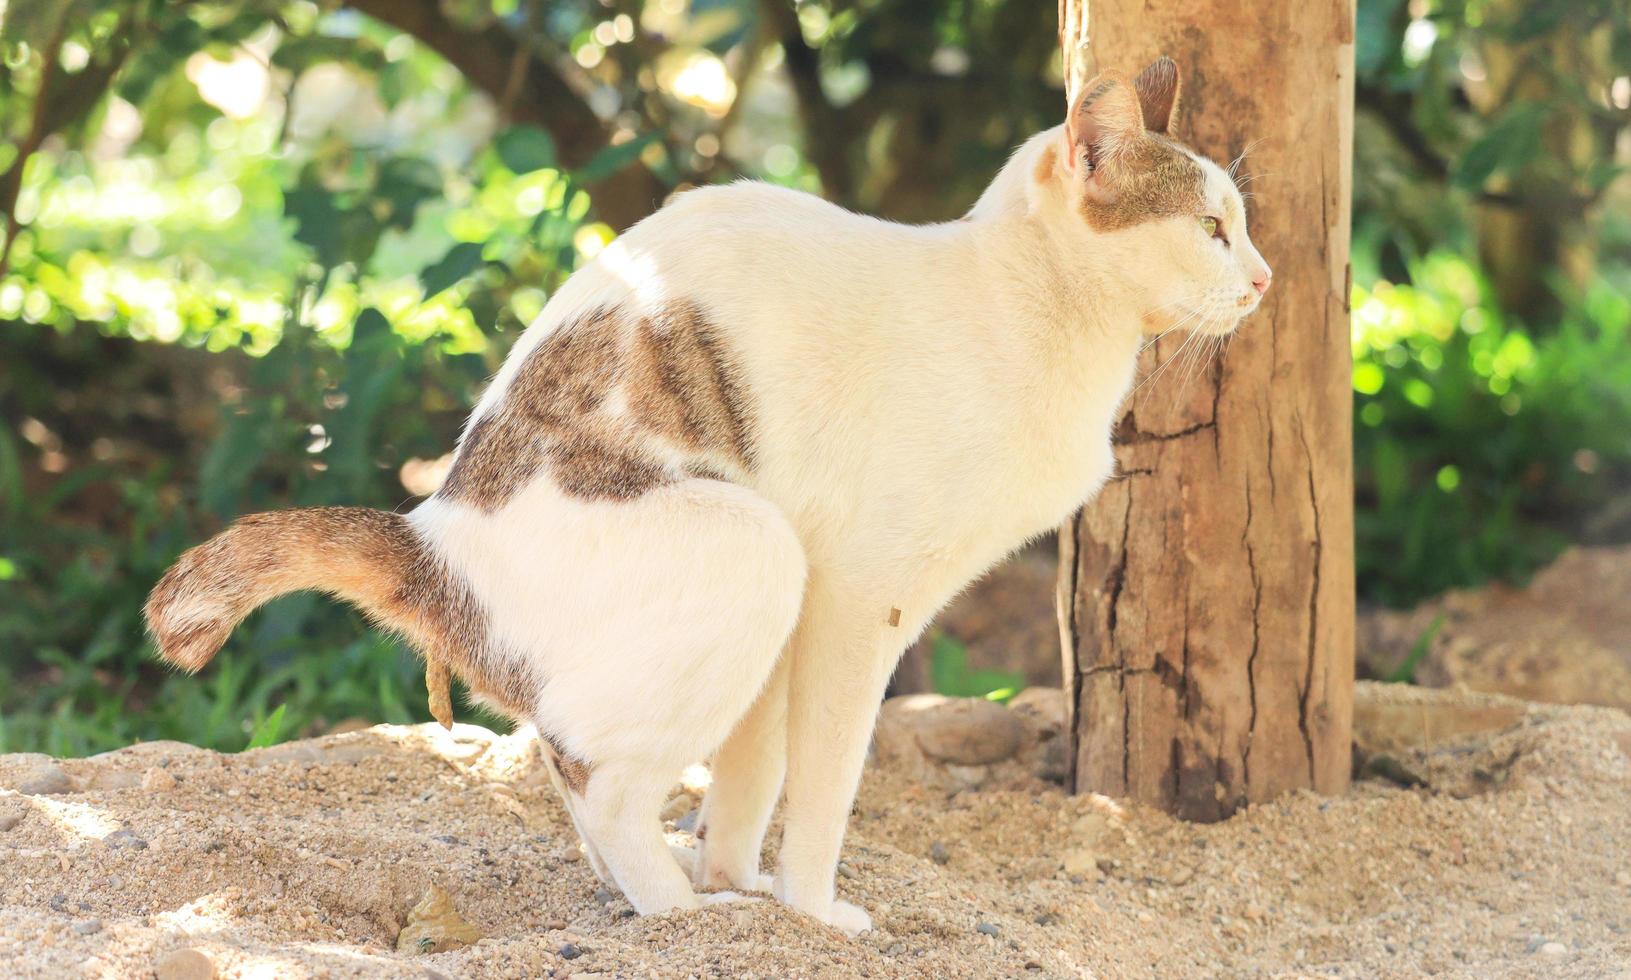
[1214, 228]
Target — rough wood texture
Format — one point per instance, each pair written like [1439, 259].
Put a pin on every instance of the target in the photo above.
[1206, 598]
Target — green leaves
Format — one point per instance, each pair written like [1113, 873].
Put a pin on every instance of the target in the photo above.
[525, 148]
[268, 730]
[950, 674]
[36, 22]
[335, 234]
[614, 158]
[460, 261]
[298, 54]
[1506, 147]
[345, 225]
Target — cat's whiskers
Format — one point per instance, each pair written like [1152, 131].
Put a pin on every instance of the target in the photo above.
[1196, 359]
[1162, 367]
[1213, 348]
[1234, 165]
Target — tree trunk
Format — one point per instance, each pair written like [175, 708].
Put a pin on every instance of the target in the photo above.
[1206, 598]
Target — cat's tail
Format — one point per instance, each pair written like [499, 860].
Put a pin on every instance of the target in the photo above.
[370, 558]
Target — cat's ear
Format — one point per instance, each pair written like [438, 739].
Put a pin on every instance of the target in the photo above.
[1158, 89]
[1103, 122]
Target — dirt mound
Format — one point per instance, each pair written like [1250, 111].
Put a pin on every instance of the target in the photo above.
[308, 859]
[1564, 639]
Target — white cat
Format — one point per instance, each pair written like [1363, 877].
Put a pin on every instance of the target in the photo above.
[743, 458]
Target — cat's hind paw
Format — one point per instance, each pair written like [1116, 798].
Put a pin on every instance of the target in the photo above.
[851, 920]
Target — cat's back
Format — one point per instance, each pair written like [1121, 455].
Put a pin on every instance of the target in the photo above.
[771, 231]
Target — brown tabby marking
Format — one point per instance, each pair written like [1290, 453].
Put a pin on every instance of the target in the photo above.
[1152, 177]
[679, 390]
[370, 557]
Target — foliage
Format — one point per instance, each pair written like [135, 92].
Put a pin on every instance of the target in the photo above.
[1479, 444]
[950, 674]
[1494, 125]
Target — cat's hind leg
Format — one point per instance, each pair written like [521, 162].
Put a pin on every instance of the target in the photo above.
[747, 780]
[656, 623]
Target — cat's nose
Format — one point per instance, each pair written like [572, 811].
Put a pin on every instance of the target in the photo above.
[1260, 282]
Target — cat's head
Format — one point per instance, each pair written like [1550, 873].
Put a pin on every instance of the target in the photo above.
[1173, 220]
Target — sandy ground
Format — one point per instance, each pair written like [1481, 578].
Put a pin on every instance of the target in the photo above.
[303, 860]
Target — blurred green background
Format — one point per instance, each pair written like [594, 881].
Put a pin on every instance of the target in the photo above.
[261, 253]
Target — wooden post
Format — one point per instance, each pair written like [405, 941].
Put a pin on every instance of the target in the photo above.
[1206, 598]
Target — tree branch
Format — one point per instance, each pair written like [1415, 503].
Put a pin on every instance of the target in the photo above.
[1392, 110]
[487, 57]
[825, 144]
[61, 101]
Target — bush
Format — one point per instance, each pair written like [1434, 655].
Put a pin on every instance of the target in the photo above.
[1481, 446]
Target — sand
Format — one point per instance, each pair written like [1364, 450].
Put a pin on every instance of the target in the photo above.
[304, 859]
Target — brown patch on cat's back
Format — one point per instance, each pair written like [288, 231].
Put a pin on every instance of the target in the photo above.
[677, 384]
[593, 465]
[1153, 178]
[683, 386]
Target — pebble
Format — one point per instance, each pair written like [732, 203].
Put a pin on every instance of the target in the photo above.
[125, 838]
[9, 820]
[186, 964]
[47, 780]
[604, 896]
[1553, 948]
[158, 780]
[1080, 861]
[1621, 878]
[570, 952]
[986, 929]
[938, 853]
[435, 926]
[964, 731]
[88, 927]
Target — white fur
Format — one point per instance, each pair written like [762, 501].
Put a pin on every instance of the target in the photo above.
[925, 400]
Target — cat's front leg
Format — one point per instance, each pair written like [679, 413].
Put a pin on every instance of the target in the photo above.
[841, 658]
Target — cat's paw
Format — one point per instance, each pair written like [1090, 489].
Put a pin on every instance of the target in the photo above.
[851, 920]
[720, 898]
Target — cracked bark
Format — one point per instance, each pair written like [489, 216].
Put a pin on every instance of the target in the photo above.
[1207, 626]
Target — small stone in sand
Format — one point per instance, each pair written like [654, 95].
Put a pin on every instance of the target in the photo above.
[157, 780]
[9, 820]
[88, 927]
[570, 952]
[125, 839]
[938, 853]
[1553, 948]
[186, 964]
[986, 929]
[46, 780]
[435, 926]
[1080, 861]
